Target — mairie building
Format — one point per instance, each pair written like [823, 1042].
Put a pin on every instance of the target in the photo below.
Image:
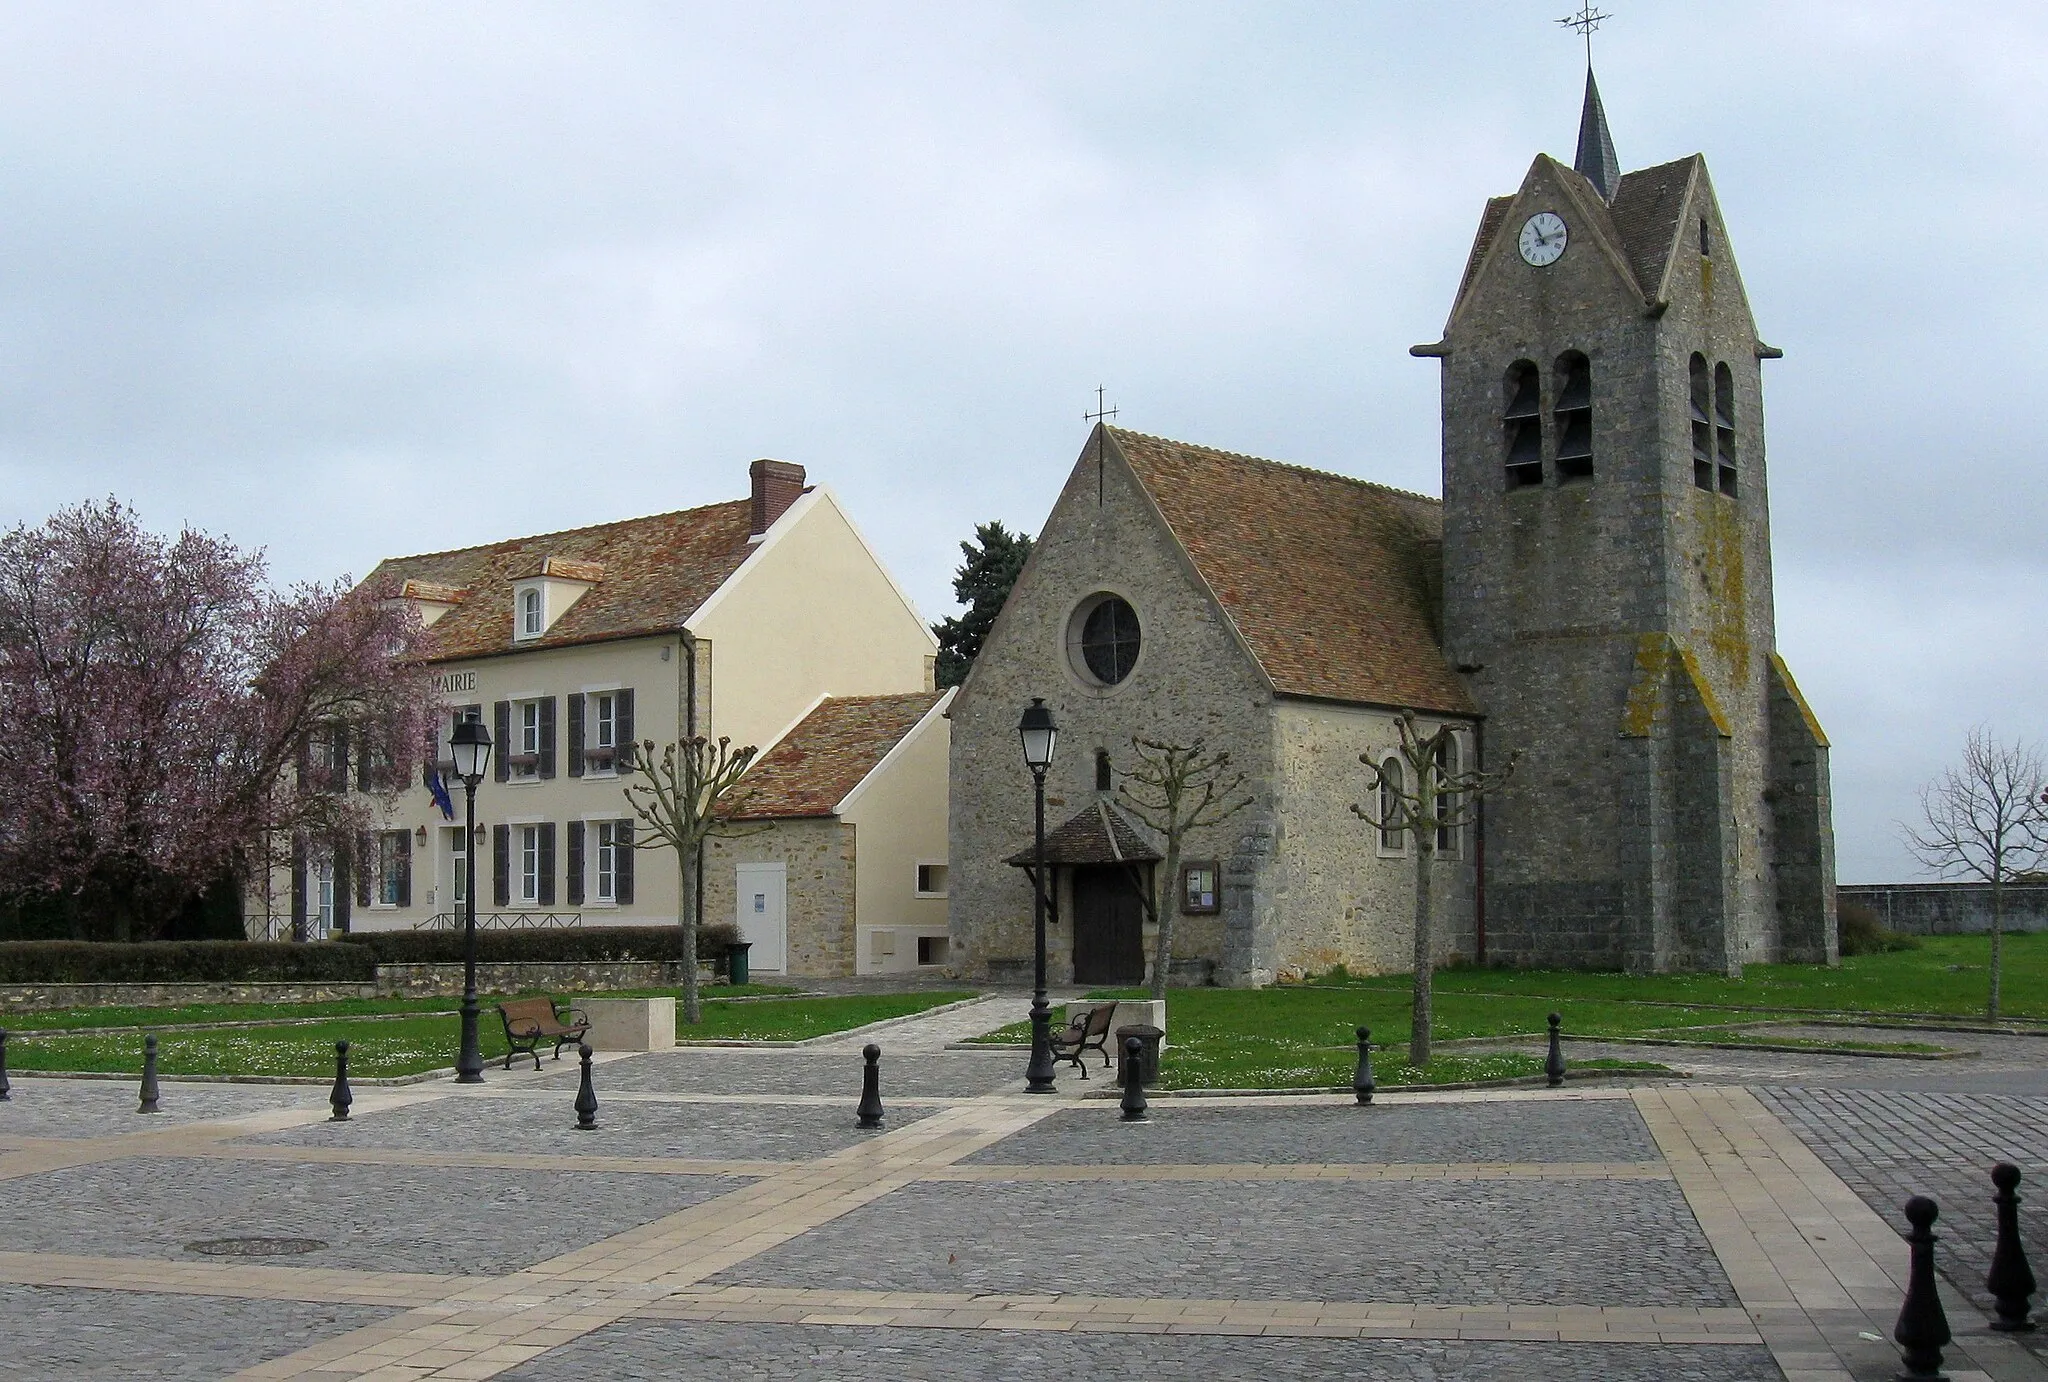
[756, 620]
[1590, 598]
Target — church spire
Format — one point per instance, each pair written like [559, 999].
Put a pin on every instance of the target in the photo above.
[1596, 158]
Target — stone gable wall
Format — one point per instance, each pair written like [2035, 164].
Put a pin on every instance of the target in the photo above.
[1192, 679]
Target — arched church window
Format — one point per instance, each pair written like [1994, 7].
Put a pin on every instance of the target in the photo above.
[1522, 423]
[1573, 416]
[1103, 639]
[1724, 425]
[1102, 782]
[1702, 425]
[1390, 806]
[1446, 800]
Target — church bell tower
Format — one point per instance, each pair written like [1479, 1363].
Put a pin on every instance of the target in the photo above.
[1607, 579]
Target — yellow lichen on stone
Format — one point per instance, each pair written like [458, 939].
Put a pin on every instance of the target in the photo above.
[1727, 607]
[1705, 692]
[1646, 691]
[1798, 699]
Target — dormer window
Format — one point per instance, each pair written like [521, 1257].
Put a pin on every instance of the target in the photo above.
[530, 624]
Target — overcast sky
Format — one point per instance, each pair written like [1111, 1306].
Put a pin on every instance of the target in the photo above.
[354, 281]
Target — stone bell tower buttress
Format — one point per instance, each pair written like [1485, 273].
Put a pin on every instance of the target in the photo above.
[1607, 582]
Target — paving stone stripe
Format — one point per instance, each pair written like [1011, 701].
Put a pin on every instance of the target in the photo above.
[1291, 1318]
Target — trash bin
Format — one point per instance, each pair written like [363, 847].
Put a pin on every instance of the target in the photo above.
[736, 970]
[1149, 1038]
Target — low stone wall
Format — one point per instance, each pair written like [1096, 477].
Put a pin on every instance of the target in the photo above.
[393, 981]
[1949, 909]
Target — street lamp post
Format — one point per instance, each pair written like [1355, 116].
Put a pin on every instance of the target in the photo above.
[471, 746]
[1039, 736]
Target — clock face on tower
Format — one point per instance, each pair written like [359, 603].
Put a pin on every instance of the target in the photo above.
[1543, 238]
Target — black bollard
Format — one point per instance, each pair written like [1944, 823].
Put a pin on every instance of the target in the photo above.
[149, 1093]
[1362, 1084]
[1553, 1064]
[586, 1097]
[340, 1097]
[870, 1109]
[1134, 1081]
[1922, 1330]
[6, 1090]
[2011, 1280]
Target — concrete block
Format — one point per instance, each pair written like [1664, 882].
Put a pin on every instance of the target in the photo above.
[630, 1024]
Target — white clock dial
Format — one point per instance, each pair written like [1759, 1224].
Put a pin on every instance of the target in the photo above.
[1543, 238]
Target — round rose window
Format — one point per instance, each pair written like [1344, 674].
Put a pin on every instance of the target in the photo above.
[1108, 641]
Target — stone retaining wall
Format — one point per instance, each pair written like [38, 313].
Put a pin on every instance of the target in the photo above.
[393, 981]
[1949, 909]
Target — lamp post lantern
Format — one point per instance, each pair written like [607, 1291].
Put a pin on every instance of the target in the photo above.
[471, 747]
[1039, 736]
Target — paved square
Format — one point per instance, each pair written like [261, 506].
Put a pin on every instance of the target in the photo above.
[728, 1220]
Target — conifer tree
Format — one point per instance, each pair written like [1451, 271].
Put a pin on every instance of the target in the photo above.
[981, 584]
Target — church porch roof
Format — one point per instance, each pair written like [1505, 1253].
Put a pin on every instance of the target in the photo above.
[1097, 834]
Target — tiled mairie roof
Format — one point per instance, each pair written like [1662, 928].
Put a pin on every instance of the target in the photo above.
[812, 768]
[1097, 834]
[1333, 583]
[646, 576]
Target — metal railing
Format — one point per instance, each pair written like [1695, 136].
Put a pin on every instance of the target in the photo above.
[502, 921]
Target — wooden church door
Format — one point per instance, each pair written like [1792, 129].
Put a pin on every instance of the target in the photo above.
[1109, 921]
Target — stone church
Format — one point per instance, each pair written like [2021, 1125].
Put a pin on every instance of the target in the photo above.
[1591, 598]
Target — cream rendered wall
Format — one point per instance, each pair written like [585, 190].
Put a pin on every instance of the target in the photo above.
[811, 613]
[898, 813]
[637, 663]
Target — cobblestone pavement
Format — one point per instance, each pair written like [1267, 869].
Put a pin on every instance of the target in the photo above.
[114, 1336]
[758, 1353]
[1609, 1130]
[540, 1124]
[444, 1222]
[729, 1222]
[1431, 1242]
[1890, 1145]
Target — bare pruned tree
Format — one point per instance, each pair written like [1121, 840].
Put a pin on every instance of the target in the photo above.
[1174, 789]
[686, 796]
[1986, 819]
[1421, 792]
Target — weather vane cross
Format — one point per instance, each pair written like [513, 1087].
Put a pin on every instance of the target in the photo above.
[1585, 22]
[1101, 414]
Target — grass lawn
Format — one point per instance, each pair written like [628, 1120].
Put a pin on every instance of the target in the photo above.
[1304, 1035]
[396, 1046]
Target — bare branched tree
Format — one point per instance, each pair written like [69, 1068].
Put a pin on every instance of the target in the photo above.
[1424, 797]
[1986, 819]
[1174, 789]
[686, 796]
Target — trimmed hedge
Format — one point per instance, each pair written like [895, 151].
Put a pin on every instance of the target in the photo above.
[182, 962]
[566, 945]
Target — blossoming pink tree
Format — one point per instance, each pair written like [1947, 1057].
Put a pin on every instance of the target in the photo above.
[157, 704]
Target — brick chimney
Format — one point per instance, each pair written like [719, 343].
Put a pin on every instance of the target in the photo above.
[777, 485]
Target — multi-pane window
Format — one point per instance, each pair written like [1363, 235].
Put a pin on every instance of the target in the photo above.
[458, 858]
[529, 863]
[1390, 806]
[394, 868]
[603, 739]
[524, 749]
[323, 910]
[1446, 800]
[607, 871]
[529, 614]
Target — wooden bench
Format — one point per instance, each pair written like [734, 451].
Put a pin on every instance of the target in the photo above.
[1087, 1031]
[530, 1021]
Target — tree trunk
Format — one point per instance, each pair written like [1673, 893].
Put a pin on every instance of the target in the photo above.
[1168, 904]
[1422, 1010]
[686, 913]
[1997, 939]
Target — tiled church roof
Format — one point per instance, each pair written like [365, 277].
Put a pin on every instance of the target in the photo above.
[812, 768]
[1334, 584]
[647, 576]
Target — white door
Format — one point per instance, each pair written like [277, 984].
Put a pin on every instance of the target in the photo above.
[764, 915]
